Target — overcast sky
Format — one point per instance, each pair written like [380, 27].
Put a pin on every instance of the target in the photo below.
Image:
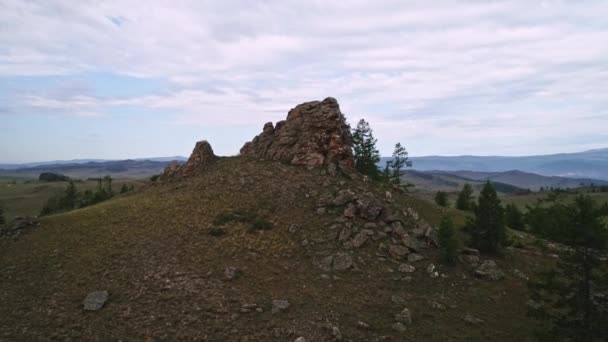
[120, 79]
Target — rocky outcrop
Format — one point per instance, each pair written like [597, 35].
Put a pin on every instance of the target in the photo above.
[201, 158]
[315, 134]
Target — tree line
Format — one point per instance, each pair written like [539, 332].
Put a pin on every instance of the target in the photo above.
[71, 198]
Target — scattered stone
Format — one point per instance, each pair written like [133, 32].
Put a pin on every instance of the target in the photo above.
[470, 251]
[344, 197]
[345, 234]
[413, 257]
[404, 317]
[350, 211]
[305, 242]
[335, 332]
[326, 263]
[406, 268]
[362, 325]
[279, 305]
[489, 270]
[469, 259]
[300, 339]
[95, 300]
[472, 319]
[520, 274]
[534, 305]
[370, 225]
[430, 269]
[436, 305]
[342, 262]
[321, 211]
[231, 273]
[397, 300]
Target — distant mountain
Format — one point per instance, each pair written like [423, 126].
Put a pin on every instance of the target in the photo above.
[83, 161]
[524, 180]
[137, 168]
[431, 181]
[590, 164]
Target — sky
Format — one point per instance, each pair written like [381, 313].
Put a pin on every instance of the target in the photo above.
[127, 79]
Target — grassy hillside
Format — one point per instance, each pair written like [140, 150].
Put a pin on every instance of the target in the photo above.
[27, 199]
[154, 253]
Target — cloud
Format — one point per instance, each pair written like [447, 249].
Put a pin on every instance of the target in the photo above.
[458, 71]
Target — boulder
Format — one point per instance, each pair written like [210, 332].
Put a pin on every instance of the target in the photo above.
[489, 270]
[315, 134]
[95, 300]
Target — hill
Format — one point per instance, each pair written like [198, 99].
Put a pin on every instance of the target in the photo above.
[285, 241]
[92, 169]
[589, 164]
[432, 181]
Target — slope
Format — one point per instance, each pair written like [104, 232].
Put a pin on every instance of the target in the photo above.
[154, 253]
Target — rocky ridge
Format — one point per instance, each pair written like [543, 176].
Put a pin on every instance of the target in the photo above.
[201, 158]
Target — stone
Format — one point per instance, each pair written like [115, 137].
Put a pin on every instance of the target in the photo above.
[399, 327]
[469, 259]
[95, 300]
[430, 269]
[345, 234]
[404, 317]
[350, 211]
[472, 319]
[201, 158]
[342, 261]
[413, 257]
[370, 226]
[406, 268]
[300, 339]
[343, 198]
[326, 263]
[293, 228]
[397, 300]
[231, 273]
[470, 251]
[362, 325]
[279, 305]
[315, 135]
[360, 239]
[397, 252]
[489, 270]
[336, 333]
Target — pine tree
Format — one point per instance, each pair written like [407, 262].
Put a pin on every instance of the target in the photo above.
[514, 217]
[566, 295]
[400, 161]
[488, 228]
[364, 150]
[441, 198]
[68, 201]
[447, 241]
[464, 201]
[124, 188]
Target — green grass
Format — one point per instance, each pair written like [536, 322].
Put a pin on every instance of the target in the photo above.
[27, 199]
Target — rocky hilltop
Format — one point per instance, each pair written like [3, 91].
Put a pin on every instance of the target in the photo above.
[315, 134]
[201, 158]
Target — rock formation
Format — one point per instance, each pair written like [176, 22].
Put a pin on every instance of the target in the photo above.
[202, 156]
[315, 134]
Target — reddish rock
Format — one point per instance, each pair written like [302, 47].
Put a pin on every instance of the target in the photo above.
[315, 134]
[201, 158]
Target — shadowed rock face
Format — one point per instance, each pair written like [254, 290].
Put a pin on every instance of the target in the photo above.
[314, 135]
[202, 156]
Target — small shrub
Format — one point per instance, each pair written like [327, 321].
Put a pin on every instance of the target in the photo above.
[260, 224]
[217, 231]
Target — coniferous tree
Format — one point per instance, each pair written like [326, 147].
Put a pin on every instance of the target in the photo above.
[68, 201]
[465, 197]
[447, 241]
[514, 217]
[124, 189]
[364, 150]
[400, 161]
[441, 198]
[488, 228]
[567, 295]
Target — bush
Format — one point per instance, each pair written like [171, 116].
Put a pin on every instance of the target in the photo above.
[260, 224]
[217, 231]
[243, 216]
[447, 241]
[441, 198]
[52, 177]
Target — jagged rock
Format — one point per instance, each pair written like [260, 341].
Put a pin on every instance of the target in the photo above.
[469, 259]
[489, 270]
[315, 134]
[472, 319]
[397, 252]
[345, 234]
[201, 158]
[363, 325]
[360, 239]
[95, 300]
[343, 198]
[404, 317]
[430, 269]
[350, 211]
[406, 268]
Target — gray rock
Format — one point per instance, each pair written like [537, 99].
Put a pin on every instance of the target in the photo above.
[472, 319]
[413, 257]
[470, 251]
[397, 252]
[350, 211]
[95, 300]
[397, 300]
[370, 225]
[342, 262]
[279, 305]
[404, 317]
[362, 325]
[300, 339]
[336, 333]
[489, 270]
[406, 268]
[231, 273]
[326, 263]
[360, 239]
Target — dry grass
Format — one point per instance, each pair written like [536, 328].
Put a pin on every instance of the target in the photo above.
[152, 251]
